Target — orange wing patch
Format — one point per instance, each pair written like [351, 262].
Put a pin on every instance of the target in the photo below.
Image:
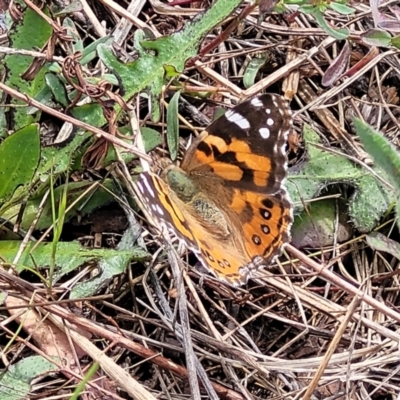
[265, 220]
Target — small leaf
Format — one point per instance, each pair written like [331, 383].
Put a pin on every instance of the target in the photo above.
[77, 43]
[89, 53]
[252, 69]
[15, 381]
[69, 256]
[396, 42]
[341, 8]
[380, 242]
[267, 6]
[336, 69]
[307, 9]
[19, 159]
[382, 151]
[339, 34]
[390, 25]
[57, 89]
[173, 126]
[376, 37]
[72, 7]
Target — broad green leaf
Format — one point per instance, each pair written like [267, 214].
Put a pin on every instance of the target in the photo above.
[30, 33]
[323, 168]
[377, 37]
[173, 126]
[69, 256]
[382, 151]
[45, 97]
[316, 227]
[109, 267]
[57, 159]
[384, 155]
[19, 159]
[15, 381]
[90, 113]
[71, 7]
[155, 56]
[151, 139]
[93, 200]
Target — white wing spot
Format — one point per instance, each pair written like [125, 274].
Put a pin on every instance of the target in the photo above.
[268, 110]
[229, 114]
[270, 121]
[264, 132]
[239, 120]
[159, 210]
[148, 187]
[256, 102]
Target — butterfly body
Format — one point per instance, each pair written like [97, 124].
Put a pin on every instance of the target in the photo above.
[227, 200]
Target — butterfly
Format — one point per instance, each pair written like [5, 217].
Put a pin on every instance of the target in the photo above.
[227, 200]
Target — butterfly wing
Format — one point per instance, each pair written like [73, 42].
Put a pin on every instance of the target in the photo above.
[179, 219]
[241, 214]
[245, 148]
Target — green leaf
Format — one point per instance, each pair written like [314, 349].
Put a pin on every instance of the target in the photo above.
[316, 227]
[90, 113]
[341, 8]
[15, 381]
[384, 155]
[30, 33]
[77, 43]
[380, 242]
[173, 126]
[147, 72]
[377, 37]
[382, 151]
[252, 69]
[93, 200]
[109, 267]
[69, 256]
[339, 34]
[89, 53]
[323, 168]
[19, 159]
[395, 42]
[151, 139]
[57, 89]
[57, 159]
[307, 9]
[72, 7]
